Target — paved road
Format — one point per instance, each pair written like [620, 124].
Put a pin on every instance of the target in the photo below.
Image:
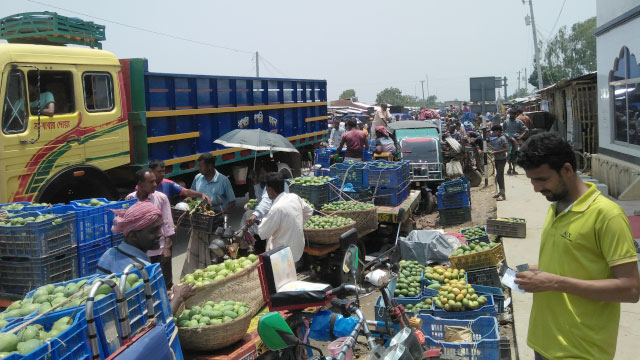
[523, 202]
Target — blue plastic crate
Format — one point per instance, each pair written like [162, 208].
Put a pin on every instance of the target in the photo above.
[455, 186]
[38, 239]
[116, 239]
[363, 195]
[317, 195]
[82, 220]
[488, 309]
[323, 157]
[385, 176]
[381, 312]
[367, 155]
[452, 201]
[90, 253]
[321, 172]
[391, 196]
[483, 238]
[26, 206]
[20, 275]
[486, 337]
[355, 174]
[98, 215]
[496, 292]
[175, 347]
[71, 344]
[116, 205]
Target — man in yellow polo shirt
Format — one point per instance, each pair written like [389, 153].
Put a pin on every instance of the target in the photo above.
[587, 262]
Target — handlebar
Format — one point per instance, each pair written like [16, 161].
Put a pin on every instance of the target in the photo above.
[345, 290]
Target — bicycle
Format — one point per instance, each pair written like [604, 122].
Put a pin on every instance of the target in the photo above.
[583, 161]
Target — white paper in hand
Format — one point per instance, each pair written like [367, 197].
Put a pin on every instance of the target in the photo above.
[508, 280]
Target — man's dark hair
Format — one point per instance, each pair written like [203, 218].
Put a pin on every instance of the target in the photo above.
[285, 173]
[351, 123]
[519, 111]
[154, 164]
[496, 127]
[270, 166]
[546, 148]
[208, 159]
[276, 182]
[141, 173]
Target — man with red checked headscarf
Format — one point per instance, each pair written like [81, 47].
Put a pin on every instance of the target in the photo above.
[141, 225]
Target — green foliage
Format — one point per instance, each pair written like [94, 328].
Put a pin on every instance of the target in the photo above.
[570, 53]
[348, 94]
[394, 96]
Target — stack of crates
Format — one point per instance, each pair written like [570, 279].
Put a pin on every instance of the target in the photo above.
[454, 203]
[323, 158]
[38, 252]
[389, 181]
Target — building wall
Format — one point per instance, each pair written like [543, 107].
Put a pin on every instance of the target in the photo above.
[617, 164]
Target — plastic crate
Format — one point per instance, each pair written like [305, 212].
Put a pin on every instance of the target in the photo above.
[71, 344]
[381, 311]
[116, 205]
[363, 195]
[83, 220]
[355, 174]
[96, 228]
[486, 276]
[116, 239]
[89, 254]
[197, 221]
[507, 229]
[505, 348]
[486, 337]
[26, 206]
[317, 195]
[176, 348]
[496, 292]
[484, 238]
[391, 196]
[452, 201]
[406, 169]
[323, 157]
[455, 186]
[321, 172]
[479, 260]
[455, 216]
[367, 155]
[385, 176]
[487, 309]
[38, 239]
[21, 275]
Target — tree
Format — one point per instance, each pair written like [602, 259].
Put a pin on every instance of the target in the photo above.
[432, 101]
[570, 53]
[394, 96]
[348, 94]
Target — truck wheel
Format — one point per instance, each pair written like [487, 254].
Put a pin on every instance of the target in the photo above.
[474, 176]
[77, 182]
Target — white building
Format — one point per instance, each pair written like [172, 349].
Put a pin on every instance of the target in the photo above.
[617, 163]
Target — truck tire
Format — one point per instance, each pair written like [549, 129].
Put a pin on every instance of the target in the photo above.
[77, 182]
[474, 176]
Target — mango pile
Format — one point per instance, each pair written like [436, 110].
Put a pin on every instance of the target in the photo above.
[474, 247]
[252, 203]
[93, 203]
[512, 220]
[50, 295]
[31, 337]
[211, 313]
[443, 275]
[457, 295]
[425, 304]
[16, 206]
[20, 221]
[474, 232]
[347, 206]
[217, 272]
[310, 180]
[409, 277]
[327, 222]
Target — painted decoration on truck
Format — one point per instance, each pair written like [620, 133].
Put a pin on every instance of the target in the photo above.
[258, 117]
[273, 122]
[243, 123]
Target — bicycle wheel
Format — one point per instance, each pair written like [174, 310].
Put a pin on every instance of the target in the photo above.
[581, 161]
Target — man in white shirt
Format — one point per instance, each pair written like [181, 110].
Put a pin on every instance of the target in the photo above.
[381, 118]
[336, 133]
[283, 224]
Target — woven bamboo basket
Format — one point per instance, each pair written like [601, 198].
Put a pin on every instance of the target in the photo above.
[243, 286]
[366, 220]
[326, 236]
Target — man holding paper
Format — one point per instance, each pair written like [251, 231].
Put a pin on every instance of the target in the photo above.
[587, 262]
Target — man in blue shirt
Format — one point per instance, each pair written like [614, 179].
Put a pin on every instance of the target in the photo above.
[515, 130]
[170, 188]
[218, 188]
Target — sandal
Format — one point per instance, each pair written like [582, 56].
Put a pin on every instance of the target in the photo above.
[501, 198]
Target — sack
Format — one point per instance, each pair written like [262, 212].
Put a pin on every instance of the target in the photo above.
[457, 334]
[321, 326]
[427, 246]
[453, 168]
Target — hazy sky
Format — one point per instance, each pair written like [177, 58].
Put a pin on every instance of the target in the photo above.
[365, 45]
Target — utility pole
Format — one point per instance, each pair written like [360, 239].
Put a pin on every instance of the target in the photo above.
[428, 94]
[504, 84]
[535, 45]
[257, 64]
[526, 81]
[518, 80]
[423, 100]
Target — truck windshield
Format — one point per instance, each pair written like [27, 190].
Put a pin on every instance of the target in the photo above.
[15, 112]
[419, 150]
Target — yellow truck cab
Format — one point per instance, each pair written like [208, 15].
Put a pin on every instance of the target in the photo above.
[43, 157]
